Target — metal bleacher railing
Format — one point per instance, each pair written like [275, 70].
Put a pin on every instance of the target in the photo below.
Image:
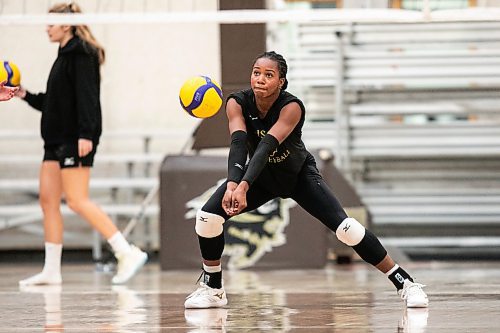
[416, 123]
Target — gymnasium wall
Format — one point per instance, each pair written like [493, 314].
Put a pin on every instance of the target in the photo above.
[146, 64]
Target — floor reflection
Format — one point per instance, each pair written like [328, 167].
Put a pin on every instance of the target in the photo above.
[130, 308]
[277, 311]
[414, 321]
[52, 305]
[283, 319]
[463, 298]
[206, 320]
[250, 310]
[254, 306]
[125, 305]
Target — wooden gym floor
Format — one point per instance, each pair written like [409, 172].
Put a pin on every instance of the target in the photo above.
[464, 297]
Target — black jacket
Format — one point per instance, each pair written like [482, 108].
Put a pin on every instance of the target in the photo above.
[71, 106]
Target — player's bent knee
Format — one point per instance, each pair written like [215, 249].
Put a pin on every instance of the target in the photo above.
[350, 232]
[208, 225]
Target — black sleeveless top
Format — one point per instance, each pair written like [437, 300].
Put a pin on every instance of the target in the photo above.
[280, 174]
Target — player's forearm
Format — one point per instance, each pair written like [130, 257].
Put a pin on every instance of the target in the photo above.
[237, 156]
[259, 160]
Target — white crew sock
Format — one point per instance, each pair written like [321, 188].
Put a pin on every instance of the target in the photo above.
[119, 244]
[212, 269]
[51, 273]
[392, 270]
[53, 254]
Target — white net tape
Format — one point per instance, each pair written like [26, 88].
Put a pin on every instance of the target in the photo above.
[259, 16]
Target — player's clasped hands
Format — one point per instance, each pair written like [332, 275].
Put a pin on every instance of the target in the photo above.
[235, 198]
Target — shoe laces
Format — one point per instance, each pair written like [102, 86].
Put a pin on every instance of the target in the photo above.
[202, 289]
[201, 275]
[412, 288]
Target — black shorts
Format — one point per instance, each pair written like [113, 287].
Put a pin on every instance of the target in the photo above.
[67, 155]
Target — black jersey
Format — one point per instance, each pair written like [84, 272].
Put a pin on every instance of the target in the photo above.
[284, 164]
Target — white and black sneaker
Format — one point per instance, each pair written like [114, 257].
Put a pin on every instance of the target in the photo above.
[413, 295]
[205, 297]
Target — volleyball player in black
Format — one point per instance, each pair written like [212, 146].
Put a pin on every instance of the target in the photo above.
[265, 122]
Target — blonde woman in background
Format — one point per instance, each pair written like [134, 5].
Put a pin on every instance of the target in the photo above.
[71, 127]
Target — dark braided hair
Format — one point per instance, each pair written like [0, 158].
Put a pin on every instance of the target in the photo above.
[282, 66]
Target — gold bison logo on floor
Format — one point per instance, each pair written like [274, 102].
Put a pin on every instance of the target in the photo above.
[250, 235]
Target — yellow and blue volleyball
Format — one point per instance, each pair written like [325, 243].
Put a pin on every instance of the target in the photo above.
[10, 72]
[201, 97]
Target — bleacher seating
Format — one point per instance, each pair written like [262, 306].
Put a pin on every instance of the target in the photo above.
[419, 129]
[378, 58]
[120, 183]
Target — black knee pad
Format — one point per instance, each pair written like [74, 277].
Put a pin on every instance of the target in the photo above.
[370, 249]
[212, 248]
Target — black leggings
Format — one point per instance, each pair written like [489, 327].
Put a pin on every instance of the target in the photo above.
[311, 193]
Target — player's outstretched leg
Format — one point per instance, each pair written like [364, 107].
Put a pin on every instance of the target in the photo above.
[210, 293]
[368, 247]
[51, 273]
